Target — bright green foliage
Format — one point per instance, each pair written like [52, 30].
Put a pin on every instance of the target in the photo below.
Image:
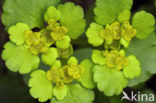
[98, 58]
[86, 79]
[52, 13]
[124, 16]
[18, 58]
[107, 11]
[29, 12]
[111, 76]
[76, 24]
[77, 94]
[124, 42]
[67, 81]
[57, 64]
[133, 69]
[50, 57]
[60, 92]
[41, 88]
[93, 34]
[144, 50]
[109, 80]
[63, 44]
[144, 23]
[16, 33]
[72, 60]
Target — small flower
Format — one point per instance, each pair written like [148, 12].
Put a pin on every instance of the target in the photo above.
[55, 75]
[127, 31]
[116, 60]
[66, 74]
[111, 34]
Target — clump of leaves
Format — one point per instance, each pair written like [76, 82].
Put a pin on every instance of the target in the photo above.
[116, 63]
[123, 53]
[26, 45]
[60, 81]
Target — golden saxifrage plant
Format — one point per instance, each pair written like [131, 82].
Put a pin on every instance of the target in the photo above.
[59, 70]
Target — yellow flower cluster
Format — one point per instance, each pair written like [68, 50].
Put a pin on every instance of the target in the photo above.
[39, 42]
[33, 39]
[117, 31]
[65, 74]
[115, 59]
[58, 32]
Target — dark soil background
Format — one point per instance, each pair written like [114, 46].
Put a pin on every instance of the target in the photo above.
[12, 86]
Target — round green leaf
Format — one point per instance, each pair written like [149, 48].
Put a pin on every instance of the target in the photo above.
[98, 58]
[124, 16]
[107, 11]
[144, 23]
[144, 50]
[63, 44]
[30, 12]
[72, 60]
[50, 57]
[86, 79]
[16, 33]
[40, 87]
[133, 69]
[60, 92]
[52, 13]
[93, 36]
[109, 80]
[19, 58]
[72, 17]
[77, 94]
[124, 42]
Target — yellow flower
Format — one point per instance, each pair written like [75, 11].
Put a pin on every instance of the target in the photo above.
[32, 37]
[55, 75]
[116, 27]
[58, 33]
[45, 36]
[127, 31]
[67, 78]
[37, 48]
[116, 59]
[65, 53]
[107, 34]
[75, 71]
[52, 24]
